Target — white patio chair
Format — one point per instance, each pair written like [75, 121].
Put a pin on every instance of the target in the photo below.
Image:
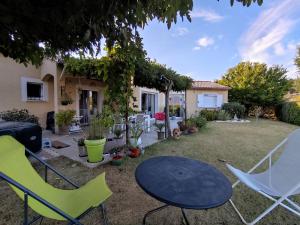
[279, 182]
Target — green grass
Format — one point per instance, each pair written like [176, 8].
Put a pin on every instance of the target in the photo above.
[242, 145]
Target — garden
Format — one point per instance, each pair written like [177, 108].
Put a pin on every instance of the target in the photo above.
[241, 145]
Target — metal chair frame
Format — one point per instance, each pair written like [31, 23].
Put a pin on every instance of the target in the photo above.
[27, 193]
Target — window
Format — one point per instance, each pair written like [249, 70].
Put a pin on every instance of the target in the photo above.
[33, 89]
[210, 101]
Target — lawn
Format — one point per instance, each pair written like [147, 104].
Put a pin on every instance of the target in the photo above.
[242, 145]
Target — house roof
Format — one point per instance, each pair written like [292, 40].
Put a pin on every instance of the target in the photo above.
[208, 85]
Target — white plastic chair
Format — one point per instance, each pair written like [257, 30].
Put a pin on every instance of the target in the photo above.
[279, 182]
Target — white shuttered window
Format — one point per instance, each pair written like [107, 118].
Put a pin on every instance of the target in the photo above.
[209, 100]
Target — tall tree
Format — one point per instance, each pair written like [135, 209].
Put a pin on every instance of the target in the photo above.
[31, 30]
[296, 84]
[254, 84]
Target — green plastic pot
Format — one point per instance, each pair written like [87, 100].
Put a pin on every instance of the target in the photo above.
[95, 149]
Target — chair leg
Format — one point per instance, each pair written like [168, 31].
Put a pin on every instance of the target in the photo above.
[153, 211]
[185, 217]
[257, 219]
[103, 212]
[41, 221]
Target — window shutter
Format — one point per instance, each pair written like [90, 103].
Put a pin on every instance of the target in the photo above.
[200, 101]
[23, 89]
[45, 91]
[219, 101]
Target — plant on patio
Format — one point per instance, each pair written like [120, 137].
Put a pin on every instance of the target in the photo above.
[182, 126]
[64, 119]
[136, 131]
[21, 115]
[81, 147]
[160, 132]
[118, 133]
[95, 141]
[117, 157]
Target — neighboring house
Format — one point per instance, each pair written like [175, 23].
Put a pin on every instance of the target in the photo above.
[205, 95]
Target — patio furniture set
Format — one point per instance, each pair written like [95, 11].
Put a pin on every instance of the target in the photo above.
[174, 181]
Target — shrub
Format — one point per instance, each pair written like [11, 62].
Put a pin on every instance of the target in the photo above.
[290, 113]
[64, 118]
[223, 115]
[209, 115]
[19, 116]
[198, 121]
[234, 108]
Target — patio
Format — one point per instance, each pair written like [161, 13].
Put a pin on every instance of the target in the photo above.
[241, 145]
[148, 138]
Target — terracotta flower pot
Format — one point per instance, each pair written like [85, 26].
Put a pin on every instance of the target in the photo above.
[63, 130]
[134, 153]
[117, 160]
[192, 130]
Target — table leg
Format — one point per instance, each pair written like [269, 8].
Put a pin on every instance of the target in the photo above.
[153, 211]
[185, 217]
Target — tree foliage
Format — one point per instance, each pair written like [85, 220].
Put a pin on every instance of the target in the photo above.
[149, 74]
[31, 30]
[256, 84]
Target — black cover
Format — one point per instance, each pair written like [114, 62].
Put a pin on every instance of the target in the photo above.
[183, 182]
[29, 134]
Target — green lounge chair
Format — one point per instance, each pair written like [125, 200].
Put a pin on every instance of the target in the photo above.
[44, 199]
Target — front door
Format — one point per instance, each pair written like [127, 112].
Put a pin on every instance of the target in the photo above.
[88, 105]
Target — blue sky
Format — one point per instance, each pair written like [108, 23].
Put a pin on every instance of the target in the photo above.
[220, 36]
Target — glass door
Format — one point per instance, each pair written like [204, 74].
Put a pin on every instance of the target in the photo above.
[148, 103]
[88, 105]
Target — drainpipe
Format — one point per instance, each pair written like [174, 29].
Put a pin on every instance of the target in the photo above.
[56, 93]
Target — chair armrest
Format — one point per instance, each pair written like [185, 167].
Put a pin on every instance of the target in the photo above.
[51, 168]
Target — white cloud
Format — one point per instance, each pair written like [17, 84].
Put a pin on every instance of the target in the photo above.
[205, 42]
[207, 15]
[180, 31]
[265, 40]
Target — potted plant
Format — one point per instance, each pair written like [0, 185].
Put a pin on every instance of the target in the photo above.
[135, 140]
[117, 158]
[118, 133]
[182, 126]
[95, 141]
[192, 128]
[63, 120]
[135, 135]
[81, 147]
[160, 132]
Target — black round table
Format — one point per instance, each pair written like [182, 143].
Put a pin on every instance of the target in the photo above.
[183, 183]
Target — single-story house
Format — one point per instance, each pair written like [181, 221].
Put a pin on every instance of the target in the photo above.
[46, 88]
[205, 95]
